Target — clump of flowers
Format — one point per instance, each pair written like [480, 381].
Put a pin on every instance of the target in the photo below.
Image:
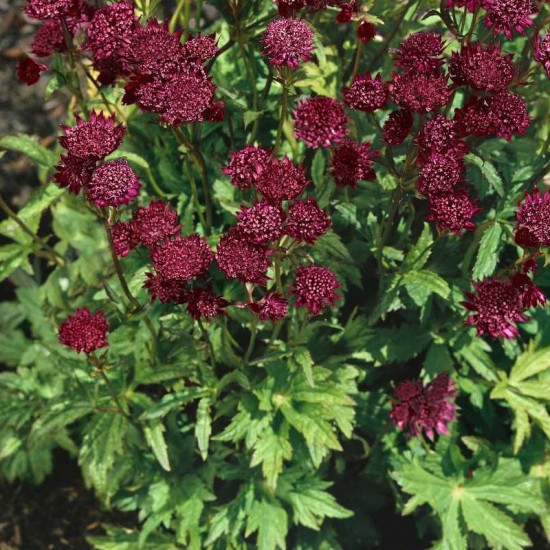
[314, 287]
[288, 42]
[84, 332]
[366, 94]
[352, 163]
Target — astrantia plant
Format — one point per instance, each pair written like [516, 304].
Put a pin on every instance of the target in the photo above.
[285, 274]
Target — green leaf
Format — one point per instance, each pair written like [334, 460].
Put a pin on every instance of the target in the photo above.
[58, 416]
[173, 401]
[203, 426]
[271, 522]
[420, 284]
[154, 433]
[530, 363]
[270, 451]
[318, 168]
[489, 172]
[487, 255]
[302, 358]
[419, 254]
[29, 147]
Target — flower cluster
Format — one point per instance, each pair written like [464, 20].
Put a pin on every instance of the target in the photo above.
[84, 331]
[427, 409]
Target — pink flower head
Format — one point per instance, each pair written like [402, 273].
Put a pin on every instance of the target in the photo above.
[482, 68]
[203, 303]
[533, 220]
[320, 122]
[541, 51]
[49, 39]
[530, 294]
[306, 221]
[420, 92]
[426, 409]
[29, 71]
[397, 126]
[282, 180]
[352, 163]
[201, 48]
[261, 223]
[50, 9]
[240, 259]
[182, 258]
[440, 174]
[155, 223]
[74, 173]
[93, 139]
[123, 238]
[507, 115]
[112, 184]
[246, 165]
[439, 135]
[453, 211]
[507, 16]
[420, 52]
[272, 306]
[314, 288]
[83, 331]
[366, 31]
[165, 290]
[499, 307]
[366, 94]
[287, 42]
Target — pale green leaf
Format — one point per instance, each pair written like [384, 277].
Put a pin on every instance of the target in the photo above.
[203, 426]
[154, 433]
[270, 451]
[487, 255]
[29, 147]
[271, 522]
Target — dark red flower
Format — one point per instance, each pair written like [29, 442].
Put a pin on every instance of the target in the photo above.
[530, 294]
[260, 223]
[352, 163]
[272, 306]
[50, 9]
[533, 217]
[499, 307]
[74, 173]
[314, 288]
[347, 11]
[366, 31]
[182, 258]
[123, 238]
[29, 71]
[471, 5]
[320, 122]
[420, 52]
[541, 51]
[439, 135]
[203, 303]
[440, 173]
[507, 115]
[473, 118]
[453, 211]
[287, 42]
[397, 126]
[165, 290]
[155, 223]
[306, 221]
[482, 68]
[112, 184]
[246, 165]
[420, 92]
[93, 139]
[287, 8]
[425, 409]
[201, 48]
[366, 94]
[48, 39]
[281, 180]
[240, 259]
[83, 331]
[509, 16]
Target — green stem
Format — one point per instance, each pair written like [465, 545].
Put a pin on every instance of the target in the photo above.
[252, 341]
[282, 117]
[195, 194]
[208, 343]
[176, 14]
[247, 66]
[113, 394]
[357, 60]
[386, 232]
[70, 51]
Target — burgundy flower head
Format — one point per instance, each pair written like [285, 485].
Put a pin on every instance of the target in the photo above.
[203, 303]
[397, 126]
[123, 238]
[29, 71]
[306, 221]
[420, 92]
[246, 165]
[366, 31]
[261, 223]
[507, 115]
[314, 288]
[287, 8]
[320, 122]
[541, 51]
[182, 258]
[50, 9]
[74, 173]
[48, 39]
[165, 290]
[509, 16]
[201, 48]
[420, 52]
[482, 68]
[530, 294]
[84, 331]
[424, 409]
[471, 5]
[498, 306]
[533, 217]
[155, 223]
[272, 306]
[287, 42]
[366, 94]
[240, 259]
[112, 184]
[473, 118]
[441, 173]
[282, 180]
[439, 136]
[93, 139]
[453, 211]
[352, 163]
